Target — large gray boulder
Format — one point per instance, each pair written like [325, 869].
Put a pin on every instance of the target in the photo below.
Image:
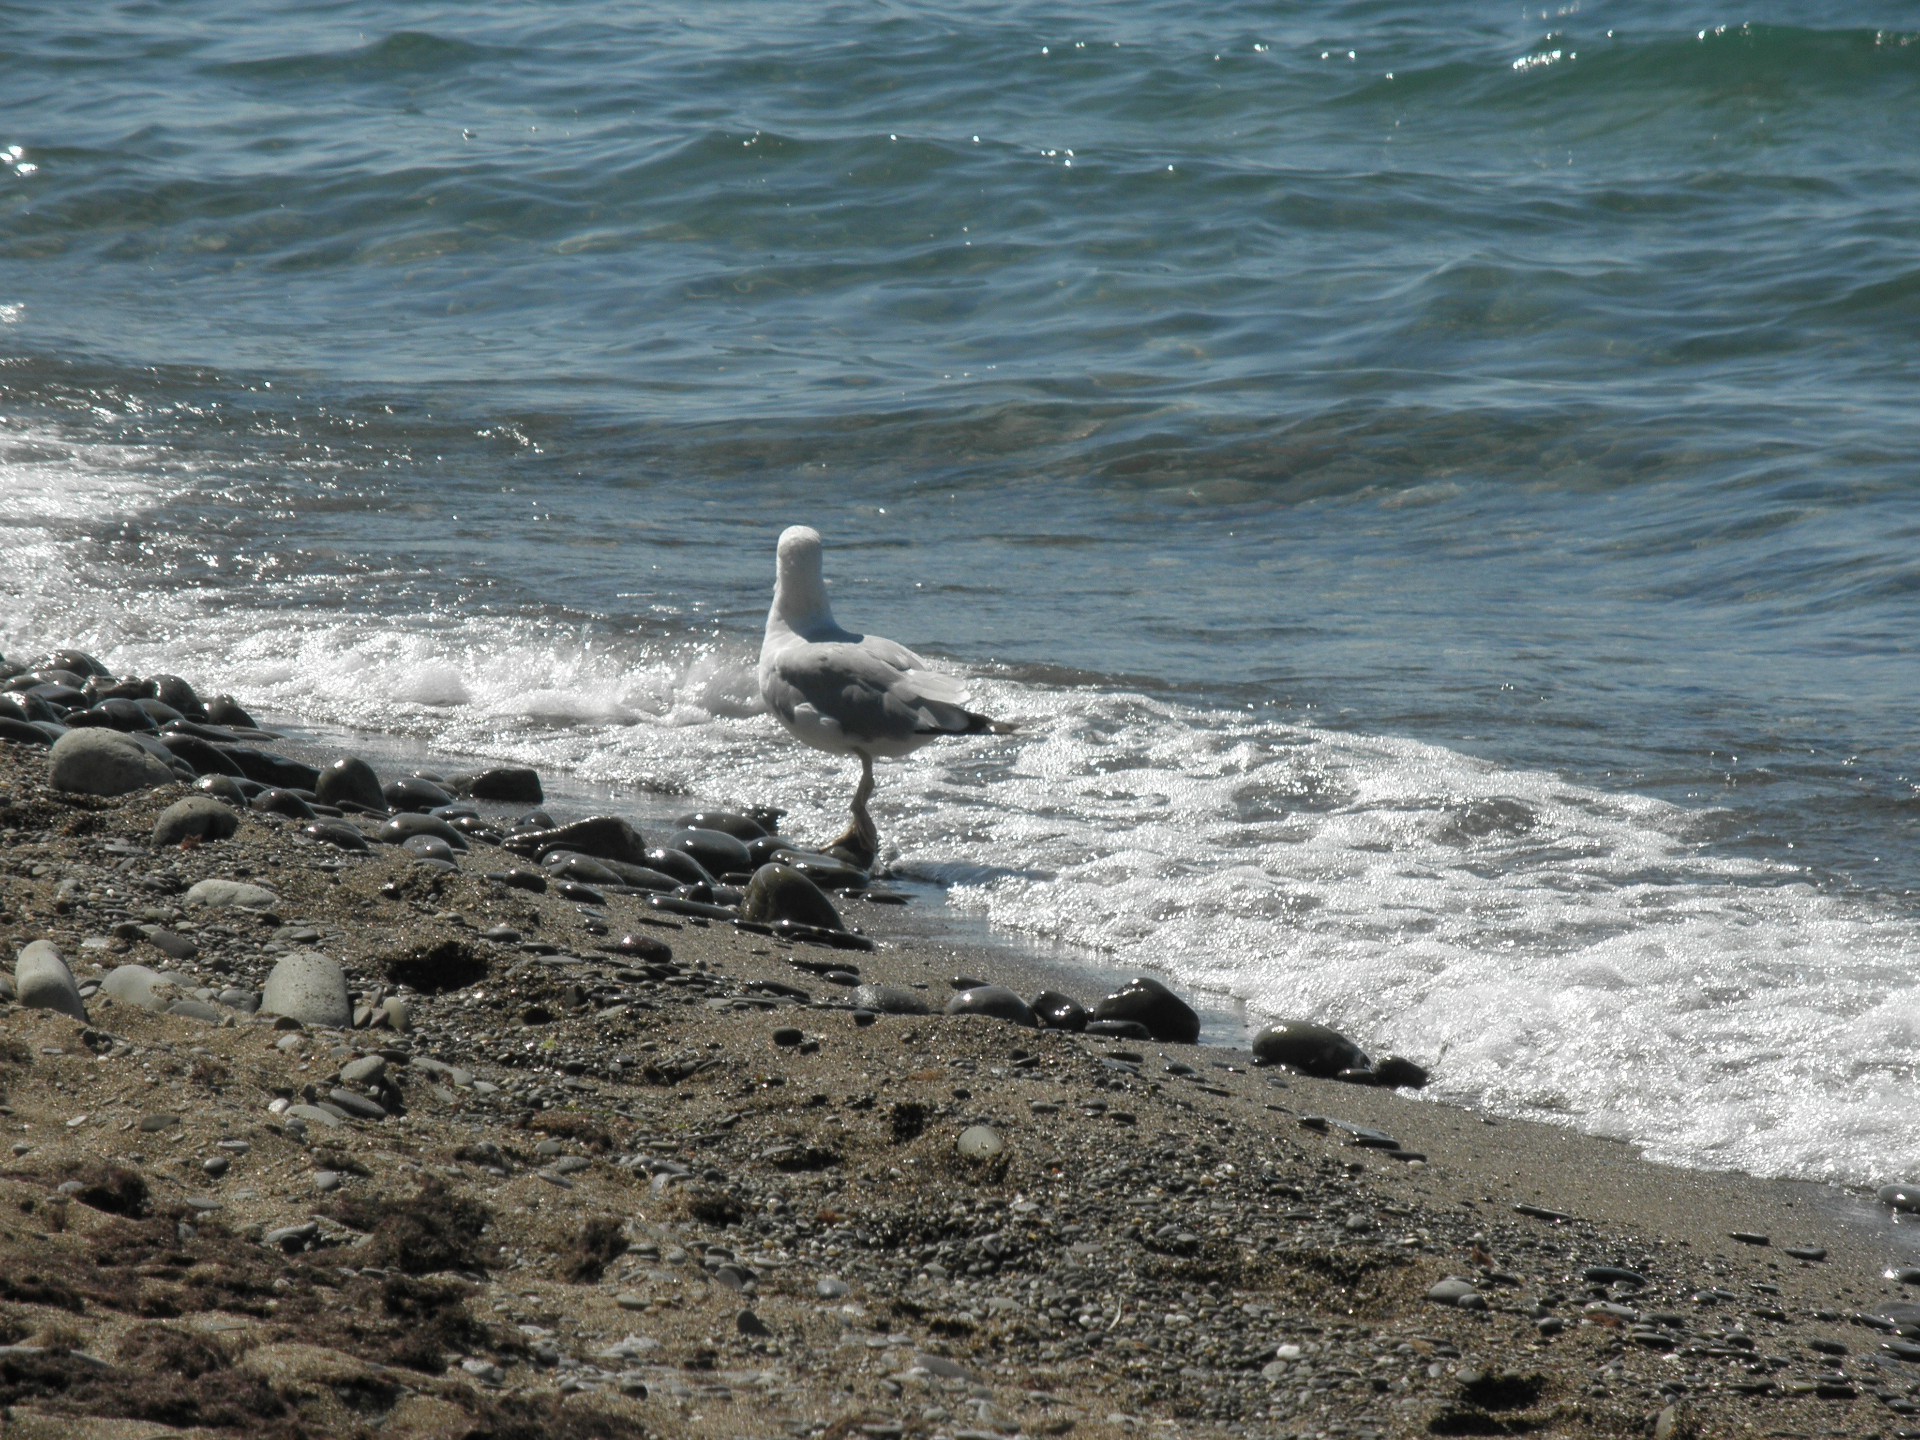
[45, 983]
[308, 987]
[98, 761]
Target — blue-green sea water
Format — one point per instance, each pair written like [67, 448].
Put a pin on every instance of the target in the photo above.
[1434, 482]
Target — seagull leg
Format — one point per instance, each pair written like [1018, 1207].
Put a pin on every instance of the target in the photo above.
[861, 844]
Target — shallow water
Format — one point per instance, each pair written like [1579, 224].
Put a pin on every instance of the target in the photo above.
[1435, 489]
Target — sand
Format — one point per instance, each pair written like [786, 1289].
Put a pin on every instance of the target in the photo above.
[617, 1197]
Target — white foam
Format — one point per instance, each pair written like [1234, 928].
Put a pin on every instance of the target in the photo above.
[1551, 950]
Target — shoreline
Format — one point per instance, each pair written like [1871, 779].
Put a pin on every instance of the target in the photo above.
[609, 1193]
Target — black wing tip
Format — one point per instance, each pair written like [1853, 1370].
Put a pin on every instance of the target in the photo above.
[975, 725]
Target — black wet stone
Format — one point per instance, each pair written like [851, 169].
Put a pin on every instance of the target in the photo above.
[521, 879]
[337, 833]
[779, 892]
[505, 784]
[718, 852]
[604, 837]
[565, 865]
[402, 828]
[787, 1036]
[22, 733]
[682, 867]
[1904, 1196]
[275, 801]
[198, 817]
[350, 781]
[642, 947]
[174, 691]
[743, 828]
[411, 792]
[994, 1000]
[1309, 1047]
[1398, 1073]
[205, 757]
[829, 872]
[1060, 1012]
[1119, 1030]
[271, 769]
[1144, 1000]
[225, 710]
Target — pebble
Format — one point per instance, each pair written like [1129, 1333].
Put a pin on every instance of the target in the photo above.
[994, 1000]
[409, 826]
[198, 817]
[275, 801]
[104, 762]
[743, 828]
[888, 1000]
[232, 894]
[356, 1104]
[1904, 1197]
[327, 1181]
[1454, 1290]
[337, 833]
[980, 1143]
[718, 852]
[364, 1071]
[42, 981]
[309, 987]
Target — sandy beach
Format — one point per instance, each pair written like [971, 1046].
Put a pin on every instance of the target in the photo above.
[593, 1169]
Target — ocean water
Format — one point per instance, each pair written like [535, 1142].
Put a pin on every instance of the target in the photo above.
[1434, 483]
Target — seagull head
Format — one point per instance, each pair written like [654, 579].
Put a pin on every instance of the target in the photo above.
[799, 592]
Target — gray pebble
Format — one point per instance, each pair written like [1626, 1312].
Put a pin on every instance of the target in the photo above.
[310, 988]
[44, 982]
[888, 1000]
[232, 894]
[995, 1000]
[198, 817]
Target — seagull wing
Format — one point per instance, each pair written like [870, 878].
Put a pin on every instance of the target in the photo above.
[872, 692]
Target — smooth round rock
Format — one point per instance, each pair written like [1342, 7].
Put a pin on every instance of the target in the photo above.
[172, 690]
[743, 828]
[225, 711]
[232, 895]
[402, 828]
[1904, 1197]
[104, 762]
[1396, 1072]
[230, 789]
[1118, 1030]
[1145, 1001]
[682, 867]
[780, 892]
[198, 817]
[643, 947]
[1060, 1012]
[350, 781]
[20, 732]
[829, 872]
[994, 1000]
[431, 847]
[338, 833]
[42, 981]
[204, 756]
[309, 987]
[143, 986]
[1452, 1290]
[604, 837]
[888, 1000]
[1309, 1047]
[505, 784]
[718, 852]
[275, 801]
[979, 1143]
[414, 793]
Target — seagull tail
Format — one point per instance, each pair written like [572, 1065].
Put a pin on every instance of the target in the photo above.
[970, 723]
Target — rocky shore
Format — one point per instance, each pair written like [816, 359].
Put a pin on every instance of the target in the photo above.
[331, 1115]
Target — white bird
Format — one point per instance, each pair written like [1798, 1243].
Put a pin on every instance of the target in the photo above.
[850, 694]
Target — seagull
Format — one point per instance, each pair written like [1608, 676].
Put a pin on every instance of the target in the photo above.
[850, 694]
